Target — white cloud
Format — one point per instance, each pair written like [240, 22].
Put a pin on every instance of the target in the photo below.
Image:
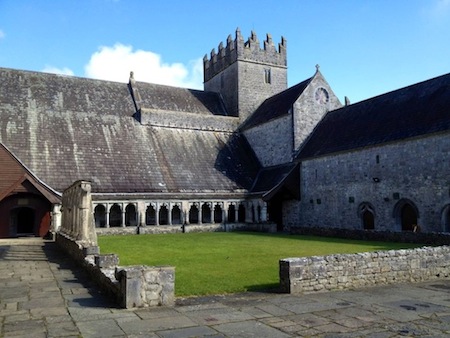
[115, 64]
[55, 70]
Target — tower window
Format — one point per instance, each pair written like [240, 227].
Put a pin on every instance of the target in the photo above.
[267, 76]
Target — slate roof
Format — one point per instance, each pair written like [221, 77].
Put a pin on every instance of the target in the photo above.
[276, 106]
[270, 180]
[153, 96]
[416, 110]
[67, 128]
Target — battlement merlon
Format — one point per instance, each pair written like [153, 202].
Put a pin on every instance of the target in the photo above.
[249, 50]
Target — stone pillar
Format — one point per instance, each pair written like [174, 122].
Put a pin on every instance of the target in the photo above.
[200, 221]
[236, 213]
[225, 212]
[123, 217]
[249, 213]
[130, 281]
[56, 218]
[107, 216]
[156, 206]
[186, 213]
[264, 212]
[141, 214]
[169, 213]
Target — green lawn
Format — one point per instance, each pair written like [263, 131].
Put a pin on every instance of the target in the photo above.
[218, 263]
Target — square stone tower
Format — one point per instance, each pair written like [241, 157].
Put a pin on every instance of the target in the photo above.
[246, 74]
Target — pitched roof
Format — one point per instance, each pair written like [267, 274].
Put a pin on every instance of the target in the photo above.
[153, 96]
[66, 129]
[271, 180]
[416, 110]
[16, 178]
[276, 106]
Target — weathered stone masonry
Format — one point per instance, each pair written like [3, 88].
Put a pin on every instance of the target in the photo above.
[133, 286]
[348, 271]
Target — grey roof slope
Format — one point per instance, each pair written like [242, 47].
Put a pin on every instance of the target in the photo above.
[153, 96]
[276, 106]
[66, 128]
[416, 110]
[272, 180]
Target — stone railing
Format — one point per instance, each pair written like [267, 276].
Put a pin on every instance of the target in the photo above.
[132, 286]
[348, 271]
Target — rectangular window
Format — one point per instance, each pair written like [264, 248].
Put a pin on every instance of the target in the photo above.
[267, 76]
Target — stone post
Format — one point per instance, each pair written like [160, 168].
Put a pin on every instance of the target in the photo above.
[169, 213]
[123, 216]
[264, 212]
[157, 213]
[107, 216]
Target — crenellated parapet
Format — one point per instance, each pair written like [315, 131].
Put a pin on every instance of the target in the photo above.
[249, 50]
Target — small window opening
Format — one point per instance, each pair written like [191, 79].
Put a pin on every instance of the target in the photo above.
[267, 76]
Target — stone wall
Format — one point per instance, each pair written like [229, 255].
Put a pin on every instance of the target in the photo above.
[272, 141]
[425, 238]
[349, 271]
[308, 112]
[334, 187]
[171, 229]
[132, 286]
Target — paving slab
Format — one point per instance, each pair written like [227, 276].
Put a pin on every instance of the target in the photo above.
[44, 294]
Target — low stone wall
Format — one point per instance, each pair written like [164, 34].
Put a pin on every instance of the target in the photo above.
[131, 286]
[134, 286]
[372, 235]
[166, 229]
[348, 271]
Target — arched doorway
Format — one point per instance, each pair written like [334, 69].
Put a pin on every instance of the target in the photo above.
[368, 220]
[206, 213]
[130, 215]
[115, 216]
[217, 213]
[23, 219]
[100, 216]
[408, 217]
[367, 215]
[241, 213]
[176, 215]
[150, 215]
[232, 213]
[193, 214]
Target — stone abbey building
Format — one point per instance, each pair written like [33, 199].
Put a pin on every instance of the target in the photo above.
[247, 150]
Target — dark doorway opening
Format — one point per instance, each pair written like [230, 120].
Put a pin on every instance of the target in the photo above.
[408, 217]
[368, 220]
[275, 210]
[25, 219]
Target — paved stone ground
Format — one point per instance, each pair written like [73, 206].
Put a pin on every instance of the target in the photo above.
[43, 294]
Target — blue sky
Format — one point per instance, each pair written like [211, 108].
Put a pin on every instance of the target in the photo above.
[364, 48]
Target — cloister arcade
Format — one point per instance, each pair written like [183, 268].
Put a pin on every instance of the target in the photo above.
[154, 213]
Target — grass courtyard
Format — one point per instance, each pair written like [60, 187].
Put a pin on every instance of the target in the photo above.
[227, 262]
